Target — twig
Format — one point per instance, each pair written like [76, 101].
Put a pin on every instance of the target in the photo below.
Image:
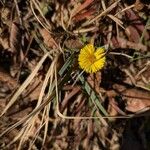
[115, 53]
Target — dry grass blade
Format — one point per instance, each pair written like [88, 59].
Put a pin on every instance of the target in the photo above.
[79, 117]
[38, 8]
[25, 84]
[36, 136]
[32, 122]
[24, 132]
[52, 102]
[129, 7]
[84, 30]
[28, 119]
[46, 122]
[101, 14]
[41, 23]
[49, 73]
[115, 19]
[15, 139]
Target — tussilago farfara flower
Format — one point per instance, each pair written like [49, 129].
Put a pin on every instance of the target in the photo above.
[91, 60]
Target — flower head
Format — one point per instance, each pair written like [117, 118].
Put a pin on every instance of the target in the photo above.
[91, 60]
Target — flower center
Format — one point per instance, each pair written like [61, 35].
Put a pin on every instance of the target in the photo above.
[92, 59]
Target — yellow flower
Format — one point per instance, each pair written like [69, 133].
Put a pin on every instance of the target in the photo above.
[91, 60]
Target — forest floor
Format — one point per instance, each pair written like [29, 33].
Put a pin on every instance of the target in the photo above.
[50, 99]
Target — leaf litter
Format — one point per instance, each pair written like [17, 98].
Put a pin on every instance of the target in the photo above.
[47, 101]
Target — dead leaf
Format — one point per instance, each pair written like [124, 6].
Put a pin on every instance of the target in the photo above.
[113, 108]
[73, 44]
[4, 42]
[127, 44]
[137, 99]
[138, 5]
[85, 15]
[15, 38]
[132, 34]
[95, 81]
[82, 6]
[48, 39]
[8, 80]
[138, 24]
[68, 97]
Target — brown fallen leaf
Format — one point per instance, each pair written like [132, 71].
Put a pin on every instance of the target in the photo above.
[15, 37]
[85, 15]
[4, 42]
[8, 80]
[113, 108]
[136, 99]
[82, 7]
[127, 44]
[68, 97]
[132, 34]
[94, 81]
[48, 39]
[138, 24]
[73, 44]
